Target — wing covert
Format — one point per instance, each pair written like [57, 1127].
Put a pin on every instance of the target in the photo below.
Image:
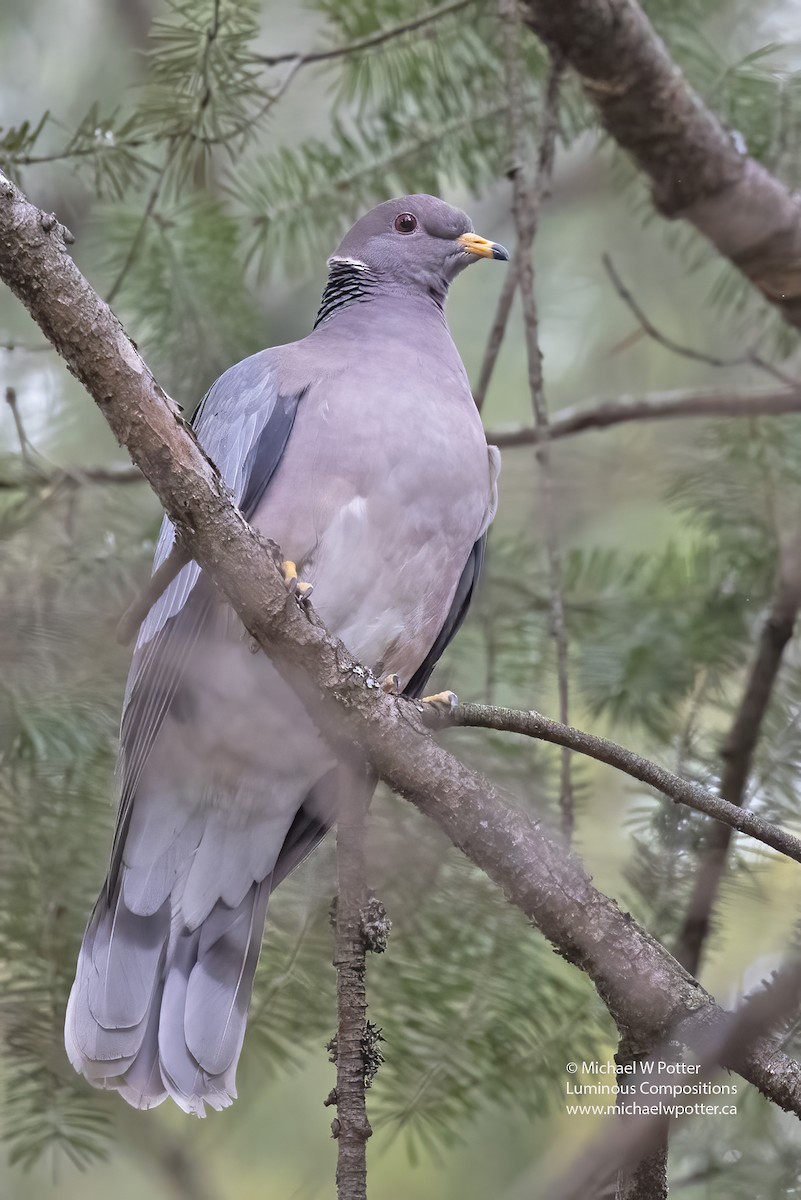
[243, 423]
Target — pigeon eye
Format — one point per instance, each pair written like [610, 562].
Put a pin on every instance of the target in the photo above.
[406, 223]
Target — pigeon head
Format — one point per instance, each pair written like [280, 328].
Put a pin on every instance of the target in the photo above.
[414, 244]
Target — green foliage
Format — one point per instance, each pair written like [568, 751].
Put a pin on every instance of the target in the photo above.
[296, 202]
[57, 731]
[475, 1012]
[185, 290]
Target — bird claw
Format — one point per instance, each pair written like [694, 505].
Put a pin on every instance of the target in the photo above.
[441, 702]
[296, 587]
[391, 684]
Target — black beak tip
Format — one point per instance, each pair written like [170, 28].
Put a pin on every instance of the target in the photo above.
[500, 252]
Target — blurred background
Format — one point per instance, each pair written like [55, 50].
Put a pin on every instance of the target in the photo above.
[205, 188]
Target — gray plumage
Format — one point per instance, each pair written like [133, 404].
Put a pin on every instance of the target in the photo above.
[360, 452]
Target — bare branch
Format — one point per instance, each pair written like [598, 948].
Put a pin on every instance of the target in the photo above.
[658, 406]
[156, 586]
[24, 445]
[351, 1127]
[496, 335]
[682, 791]
[366, 43]
[750, 358]
[641, 984]
[22, 348]
[738, 753]
[138, 237]
[73, 477]
[525, 211]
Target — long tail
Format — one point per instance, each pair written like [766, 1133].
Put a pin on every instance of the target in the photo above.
[158, 1008]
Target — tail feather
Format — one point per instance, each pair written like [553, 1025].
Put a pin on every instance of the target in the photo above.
[182, 1075]
[216, 1011]
[159, 1009]
[141, 1083]
[148, 884]
[165, 972]
[125, 955]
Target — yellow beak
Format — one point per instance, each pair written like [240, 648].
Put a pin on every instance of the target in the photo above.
[482, 248]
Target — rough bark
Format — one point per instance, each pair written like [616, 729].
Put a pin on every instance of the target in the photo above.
[351, 1127]
[645, 1177]
[697, 172]
[641, 984]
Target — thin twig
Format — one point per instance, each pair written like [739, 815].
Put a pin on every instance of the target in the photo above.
[74, 478]
[750, 358]
[569, 421]
[35, 160]
[365, 43]
[526, 200]
[24, 444]
[496, 335]
[211, 37]
[298, 60]
[270, 100]
[138, 237]
[658, 406]
[682, 791]
[22, 348]
[156, 586]
[738, 754]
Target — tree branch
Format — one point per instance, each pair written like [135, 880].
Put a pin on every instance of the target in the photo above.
[73, 477]
[641, 984]
[696, 171]
[496, 335]
[750, 359]
[380, 38]
[738, 753]
[526, 196]
[659, 406]
[681, 791]
[351, 1127]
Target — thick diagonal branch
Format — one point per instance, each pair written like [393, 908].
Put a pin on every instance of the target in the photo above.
[696, 171]
[641, 984]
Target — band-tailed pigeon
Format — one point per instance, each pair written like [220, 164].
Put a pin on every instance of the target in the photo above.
[359, 451]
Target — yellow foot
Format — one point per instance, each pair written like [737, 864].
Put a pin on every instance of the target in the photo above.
[295, 587]
[442, 701]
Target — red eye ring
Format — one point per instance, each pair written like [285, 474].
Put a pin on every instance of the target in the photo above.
[406, 223]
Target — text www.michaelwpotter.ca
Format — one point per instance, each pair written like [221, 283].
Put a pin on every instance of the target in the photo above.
[652, 1088]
